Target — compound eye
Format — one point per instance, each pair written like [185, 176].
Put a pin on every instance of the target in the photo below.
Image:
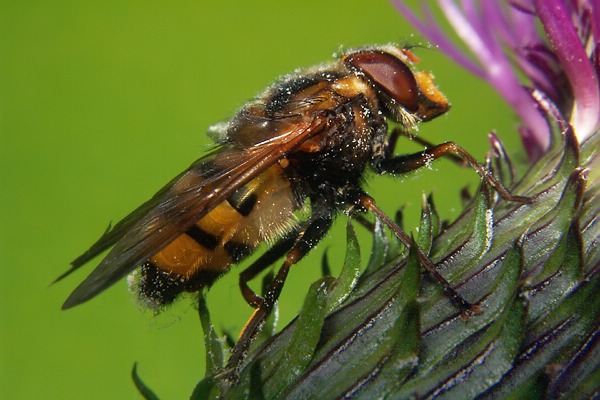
[389, 74]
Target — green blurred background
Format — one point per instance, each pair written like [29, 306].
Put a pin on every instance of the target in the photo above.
[101, 103]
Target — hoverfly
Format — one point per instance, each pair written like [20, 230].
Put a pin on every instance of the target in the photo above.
[309, 138]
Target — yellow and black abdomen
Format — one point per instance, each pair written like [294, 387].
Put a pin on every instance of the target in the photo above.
[260, 211]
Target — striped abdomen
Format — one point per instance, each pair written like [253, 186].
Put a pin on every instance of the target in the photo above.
[260, 211]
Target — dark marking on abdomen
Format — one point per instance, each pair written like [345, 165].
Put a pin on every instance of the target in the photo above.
[237, 251]
[203, 238]
[161, 288]
[242, 201]
[158, 286]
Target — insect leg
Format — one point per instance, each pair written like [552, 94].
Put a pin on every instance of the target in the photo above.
[360, 218]
[410, 162]
[278, 250]
[368, 203]
[397, 132]
[318, 225]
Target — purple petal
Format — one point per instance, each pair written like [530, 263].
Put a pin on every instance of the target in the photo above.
[595, 19]
[530, 142]
[498, 68]
[572, 55]
[431, 31]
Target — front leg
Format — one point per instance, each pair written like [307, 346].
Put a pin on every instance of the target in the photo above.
[397, 132]
[406, 163]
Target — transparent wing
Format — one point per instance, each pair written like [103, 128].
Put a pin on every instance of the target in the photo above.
[179, 205]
